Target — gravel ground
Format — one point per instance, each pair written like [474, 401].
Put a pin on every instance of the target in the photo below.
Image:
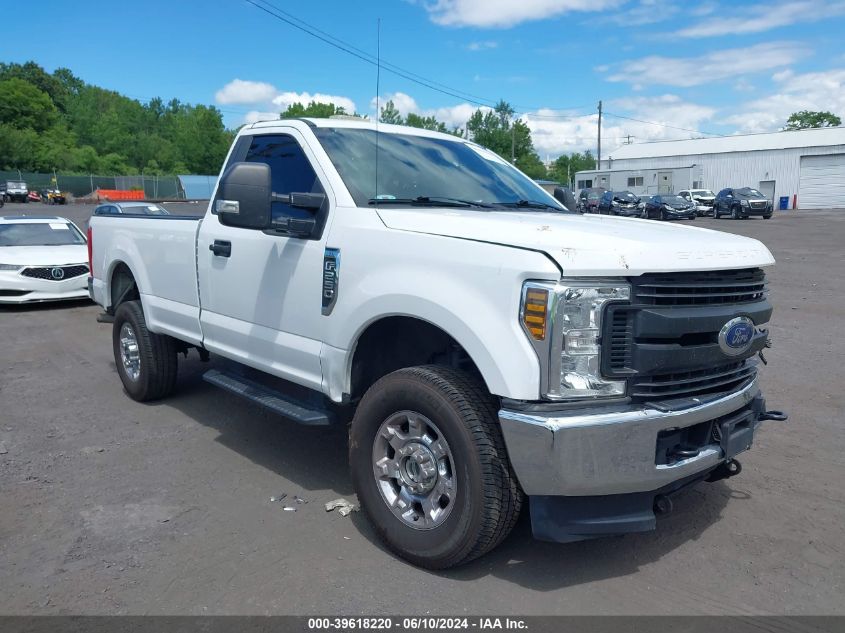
[114, 507]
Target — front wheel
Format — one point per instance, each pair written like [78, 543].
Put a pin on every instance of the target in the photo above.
[146, 362]
[734, 213]
[430, 468]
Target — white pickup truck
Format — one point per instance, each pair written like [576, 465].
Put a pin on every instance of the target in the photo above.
[487, 347]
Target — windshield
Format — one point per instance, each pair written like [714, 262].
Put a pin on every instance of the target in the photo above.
[16, 184]
[703, 193]
[41, 234]
[748, 192]
[421, 169]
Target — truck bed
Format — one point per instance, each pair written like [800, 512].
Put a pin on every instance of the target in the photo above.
[160, 251]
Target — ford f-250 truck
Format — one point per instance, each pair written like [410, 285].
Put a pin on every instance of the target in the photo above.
[484, 344]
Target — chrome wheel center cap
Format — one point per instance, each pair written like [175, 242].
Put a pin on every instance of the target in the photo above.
[418, 468]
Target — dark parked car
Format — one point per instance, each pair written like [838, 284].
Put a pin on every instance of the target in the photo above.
[619, 203]
[669, 207]
[588, 199]
[742, 203]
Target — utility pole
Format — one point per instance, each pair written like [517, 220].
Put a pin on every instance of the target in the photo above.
[598, 162]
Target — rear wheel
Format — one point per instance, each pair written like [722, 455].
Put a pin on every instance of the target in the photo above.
[146, 362]
[430, 468]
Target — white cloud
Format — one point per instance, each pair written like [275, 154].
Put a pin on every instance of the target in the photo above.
[452, 116]
[268, 101]
[762, 17]
[714, 66]
[240, 91]
[823, 90]
[254, 116]
[554, 136]
[285, 99]
[482, 46]
[507, 13]
[645, 12]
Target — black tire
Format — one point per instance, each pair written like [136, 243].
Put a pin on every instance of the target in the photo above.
[157, 355]
[767, 217]
[488, 497]
[734, 213]
[663, 215]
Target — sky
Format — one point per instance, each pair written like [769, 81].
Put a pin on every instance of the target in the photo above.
[694, 68]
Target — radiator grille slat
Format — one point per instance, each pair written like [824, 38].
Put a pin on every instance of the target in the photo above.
[46, 272]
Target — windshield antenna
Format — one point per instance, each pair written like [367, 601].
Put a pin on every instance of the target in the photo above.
[378, 87]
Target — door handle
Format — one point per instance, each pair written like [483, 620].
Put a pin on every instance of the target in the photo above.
[221, 248]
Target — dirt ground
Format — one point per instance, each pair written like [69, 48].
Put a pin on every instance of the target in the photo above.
[108, 506]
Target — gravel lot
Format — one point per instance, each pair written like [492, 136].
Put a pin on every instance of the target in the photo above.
[114, 507]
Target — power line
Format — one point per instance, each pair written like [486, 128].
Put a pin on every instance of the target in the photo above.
[349, 50]
[364, 56]
[673, 127]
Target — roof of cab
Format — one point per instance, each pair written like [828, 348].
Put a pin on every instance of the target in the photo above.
[353, 122]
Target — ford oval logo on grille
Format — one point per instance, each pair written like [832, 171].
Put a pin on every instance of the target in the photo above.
[736, 336]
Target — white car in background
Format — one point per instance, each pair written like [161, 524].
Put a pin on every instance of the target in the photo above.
[42, 258]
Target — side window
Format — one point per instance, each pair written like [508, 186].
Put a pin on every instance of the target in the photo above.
[290, 168]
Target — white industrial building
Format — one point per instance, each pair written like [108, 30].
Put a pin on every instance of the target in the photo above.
[805, 166]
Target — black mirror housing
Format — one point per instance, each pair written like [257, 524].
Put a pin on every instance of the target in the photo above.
[244, 196]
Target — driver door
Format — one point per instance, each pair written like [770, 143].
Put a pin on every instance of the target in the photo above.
[261, 302]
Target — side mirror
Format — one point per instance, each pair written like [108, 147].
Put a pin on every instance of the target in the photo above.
[244, 196]
[565, 197]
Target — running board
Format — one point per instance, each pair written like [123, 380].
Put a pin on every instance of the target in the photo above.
[268, 398]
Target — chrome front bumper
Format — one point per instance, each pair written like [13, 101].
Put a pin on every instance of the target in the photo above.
[609, 451]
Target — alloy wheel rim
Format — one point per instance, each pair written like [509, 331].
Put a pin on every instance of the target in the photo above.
[414, 470]
[130, 355]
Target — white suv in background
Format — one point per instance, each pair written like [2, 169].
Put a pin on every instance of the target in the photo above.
[703, 199]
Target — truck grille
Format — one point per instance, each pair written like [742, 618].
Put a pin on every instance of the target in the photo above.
[46, 272]
[665, 341]
[759, 205]
[693, 383]
[700, 288]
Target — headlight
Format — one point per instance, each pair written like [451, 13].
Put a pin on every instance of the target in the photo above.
[569, 348]
[10, 267]
[744, 203]
[666, 206]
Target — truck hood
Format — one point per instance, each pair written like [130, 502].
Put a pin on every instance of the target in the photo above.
[590, 245]
[44, 255]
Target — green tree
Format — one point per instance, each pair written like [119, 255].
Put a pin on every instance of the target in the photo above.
[22, 105]
[314, 109]
[511, 140]
[425, 122]
[389, 114]
[806, 119]
[565, 166]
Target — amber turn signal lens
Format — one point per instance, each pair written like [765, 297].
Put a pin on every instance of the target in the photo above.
[534, 314]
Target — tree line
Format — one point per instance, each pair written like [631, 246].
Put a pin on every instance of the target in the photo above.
[56, 121]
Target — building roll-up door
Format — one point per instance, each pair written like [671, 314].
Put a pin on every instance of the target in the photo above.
[822, 184]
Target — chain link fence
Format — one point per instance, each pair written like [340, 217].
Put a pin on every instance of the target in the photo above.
[154, 187]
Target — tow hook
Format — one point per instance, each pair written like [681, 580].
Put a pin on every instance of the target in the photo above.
[662, 504]
[730, 468]
[777, 416]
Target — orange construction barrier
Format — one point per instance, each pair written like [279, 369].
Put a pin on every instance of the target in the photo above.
[119, 194]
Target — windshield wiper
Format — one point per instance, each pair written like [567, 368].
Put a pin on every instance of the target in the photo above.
[530, 204]
[434, 201]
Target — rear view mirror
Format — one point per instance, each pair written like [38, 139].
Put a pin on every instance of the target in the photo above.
[244, 196]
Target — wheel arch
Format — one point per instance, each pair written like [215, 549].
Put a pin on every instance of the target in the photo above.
[388, 343]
